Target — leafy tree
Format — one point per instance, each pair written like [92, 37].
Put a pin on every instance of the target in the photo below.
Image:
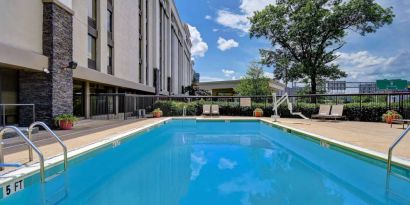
[194, 90]
[254, 83]
[307, 33]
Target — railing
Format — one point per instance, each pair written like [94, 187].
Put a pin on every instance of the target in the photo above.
[4, 113]
[42, 124]
[390, 155]
[395, 143]
[357, 105]
[40, 155]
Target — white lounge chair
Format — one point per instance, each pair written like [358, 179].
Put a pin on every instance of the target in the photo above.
[206, 109]
[215, 110]
[324, 112]
[337, 112]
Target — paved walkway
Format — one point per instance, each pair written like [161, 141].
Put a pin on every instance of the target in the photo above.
[81, 128]
[374, 136]
[87, 132]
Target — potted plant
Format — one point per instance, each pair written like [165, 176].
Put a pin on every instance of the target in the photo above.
[157, 113]
[258, 112]
[65, 121]
[391, 115]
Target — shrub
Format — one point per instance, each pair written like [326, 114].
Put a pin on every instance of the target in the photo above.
[369, 112]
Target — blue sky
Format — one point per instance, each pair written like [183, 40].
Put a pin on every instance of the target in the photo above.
[222, 48]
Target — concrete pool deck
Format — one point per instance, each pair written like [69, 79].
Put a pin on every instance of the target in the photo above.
[372, 136]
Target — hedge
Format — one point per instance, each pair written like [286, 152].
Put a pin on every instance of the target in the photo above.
[369, 112]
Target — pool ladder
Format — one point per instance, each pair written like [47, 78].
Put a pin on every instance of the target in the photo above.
[390, 155]
[32, 147]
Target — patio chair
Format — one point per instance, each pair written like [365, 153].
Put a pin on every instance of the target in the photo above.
[215, 110]
[245, 102]
[337, 112]
[324, 112]
[206, 109]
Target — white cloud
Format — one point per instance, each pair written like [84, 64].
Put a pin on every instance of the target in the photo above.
[215, 30]
[224, 44]
[210, 79]
[250, 6]
[235, 21]
[208, 17]
[268, 75]
[226, 164]
[364, 66]
[240, 21]
[228, 73]
[199, 47]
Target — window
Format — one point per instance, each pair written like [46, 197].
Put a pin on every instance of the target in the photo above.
[9, 95]
[109, 21]
[78, 98]
[92, 9]
[92, 56]
[91, 48]
[110, 64]
[140, 42]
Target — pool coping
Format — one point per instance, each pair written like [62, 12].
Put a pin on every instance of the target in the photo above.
[356, 149]
[33, 169]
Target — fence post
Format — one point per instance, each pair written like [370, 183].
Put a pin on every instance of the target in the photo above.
[125, 106]
[34, 113]
[4, 115]
[106, 107]
[360, 105]
[401, 102]
[266, 98]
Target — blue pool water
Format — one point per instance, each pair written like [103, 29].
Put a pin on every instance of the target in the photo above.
[192, 162]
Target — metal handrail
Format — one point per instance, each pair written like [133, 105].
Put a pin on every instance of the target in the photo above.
[398, 140]
[42, 124]
[30, 143]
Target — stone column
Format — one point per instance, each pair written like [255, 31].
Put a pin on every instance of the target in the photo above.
[52, 93]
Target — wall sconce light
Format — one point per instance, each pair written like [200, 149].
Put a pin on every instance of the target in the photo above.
[71, 65]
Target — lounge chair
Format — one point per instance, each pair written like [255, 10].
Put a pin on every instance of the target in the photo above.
[245, 102]
[337, 112]
[215, 110]
[401, 121]
[206, 109]
[324, 112]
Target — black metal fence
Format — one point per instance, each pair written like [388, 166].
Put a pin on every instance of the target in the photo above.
[128, 105]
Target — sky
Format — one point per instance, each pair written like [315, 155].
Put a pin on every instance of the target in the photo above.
[222, 48]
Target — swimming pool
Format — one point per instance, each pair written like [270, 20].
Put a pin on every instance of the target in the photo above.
[216, 162]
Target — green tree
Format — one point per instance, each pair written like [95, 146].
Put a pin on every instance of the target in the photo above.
[307, 34]
[254, 83]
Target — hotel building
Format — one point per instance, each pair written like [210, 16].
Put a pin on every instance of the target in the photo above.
[55, 53]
